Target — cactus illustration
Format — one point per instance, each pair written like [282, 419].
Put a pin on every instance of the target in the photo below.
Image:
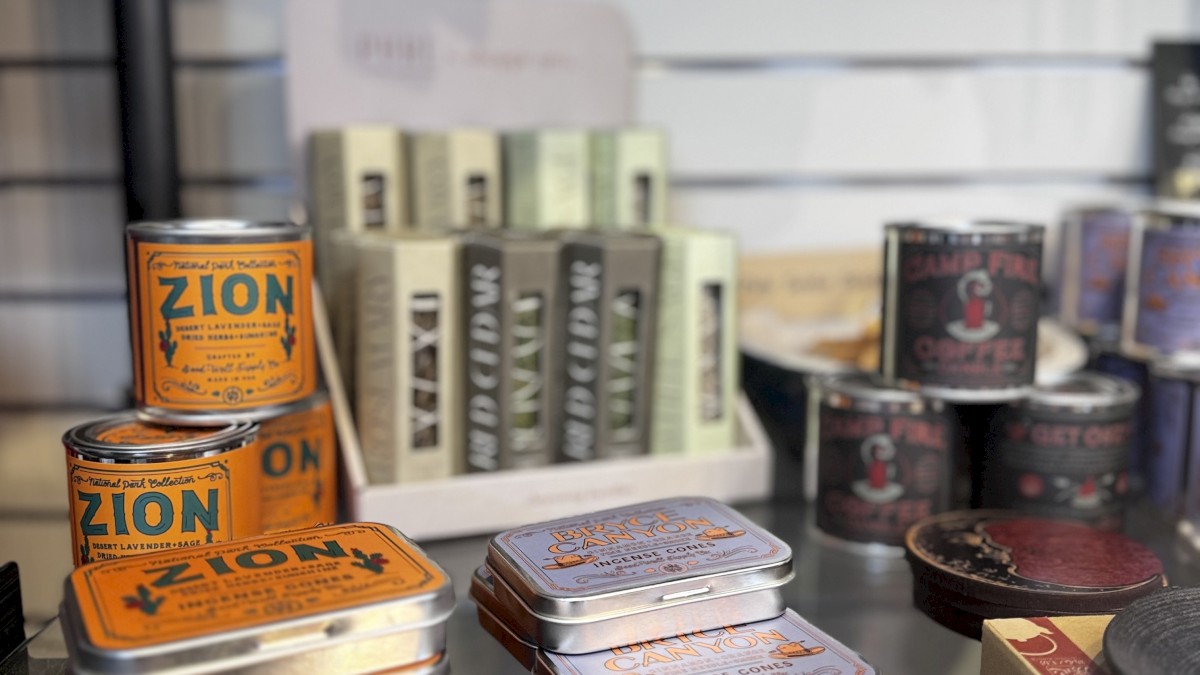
[143, 601]
[289, 335]
[318, 490]
[373, 562]
[85, 551]
[165, 344]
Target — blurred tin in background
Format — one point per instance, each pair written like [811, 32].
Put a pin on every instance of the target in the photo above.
[1162, 308]
[1174, 435]
[354, 598]
[136, 487]
[221, 319]
[1106, 357]
[883, 459]
[1064, 451]
[961, 303]
[1093, 249]
[299, 466]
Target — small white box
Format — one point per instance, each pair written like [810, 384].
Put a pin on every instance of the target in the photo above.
[546, 180]
[456, 179]
[629, 178]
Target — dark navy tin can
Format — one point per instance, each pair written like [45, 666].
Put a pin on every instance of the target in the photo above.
[1174, 436]
[883, 460]
[1063, 452]
[960, 308]
[1094, 249]
[1162, 308]
[1106, 357]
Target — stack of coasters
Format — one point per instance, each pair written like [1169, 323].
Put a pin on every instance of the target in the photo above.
[633, 574]
[785, 644]
[355, 598]
[1041, 645]
[1156, 635]
[969, 566]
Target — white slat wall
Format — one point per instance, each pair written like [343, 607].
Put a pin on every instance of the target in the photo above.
[796, 123]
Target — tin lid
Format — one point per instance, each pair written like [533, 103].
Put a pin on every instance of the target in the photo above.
[128, 439]
[201, 230]
[1083, 392]
[788, 644]
[255, 599]
[1166, 214]
[951, 230]
[1156, 635]
[638, 557]
[863, 390]
[1177, 367]
[1007, 559]
[496, 620]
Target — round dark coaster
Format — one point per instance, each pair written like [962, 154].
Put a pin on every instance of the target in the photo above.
[1012, 560]
[1156, 635]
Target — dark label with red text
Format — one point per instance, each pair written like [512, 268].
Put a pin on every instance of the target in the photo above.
[1063, 466]
[879, 473]
[967, 315]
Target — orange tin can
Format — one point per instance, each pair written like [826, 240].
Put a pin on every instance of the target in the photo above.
[354, 598]
[298, 461]
[136, 488]
[220, 319]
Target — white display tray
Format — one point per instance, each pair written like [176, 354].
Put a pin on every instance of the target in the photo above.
[480, 503]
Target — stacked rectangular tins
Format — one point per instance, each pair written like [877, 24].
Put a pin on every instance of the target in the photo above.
[685, 581]
[354, 598]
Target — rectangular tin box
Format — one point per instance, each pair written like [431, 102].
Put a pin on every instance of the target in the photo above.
[546, 180]
[639, 572]
[456, 179]
[355, 598]
[511, 320]
[696, 364]
[786, 644]
[409, 381]
[629, 178]
[610, 292]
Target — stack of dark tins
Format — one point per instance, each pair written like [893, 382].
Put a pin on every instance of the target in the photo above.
[970, 566]
[685, 582]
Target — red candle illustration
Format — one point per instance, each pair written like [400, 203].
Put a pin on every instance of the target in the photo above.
[877, 476]
[973, 307]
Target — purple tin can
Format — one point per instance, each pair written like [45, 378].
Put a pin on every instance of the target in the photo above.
[883, 460]
[1162, 311]
[1174, 434]
[960, 308]
[1093, 251]
[1063, 452]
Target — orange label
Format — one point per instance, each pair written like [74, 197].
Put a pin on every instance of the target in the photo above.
[126, 604]
[135, 432]
[122, 510]
[299, 469]
[223, 326]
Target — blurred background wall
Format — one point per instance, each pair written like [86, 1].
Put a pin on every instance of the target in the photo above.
[799, 124]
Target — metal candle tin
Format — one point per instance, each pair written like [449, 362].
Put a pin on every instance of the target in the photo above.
[1162, 306]
[220, 318]
[356, 598]
[1064, 451]
[1094, 249]
[135, 488]
[298, 459]
[787, 644]
[1174, 444]
[960, 308]
[883, 459]
[639, 572]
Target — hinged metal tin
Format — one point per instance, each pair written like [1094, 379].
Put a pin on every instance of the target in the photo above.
[355, 598]
[639, 572]
[220, 319]
[1064, 451]
[135, 487]
[1162, 300]
[787, 644]
[961, 302]
[1093, 252]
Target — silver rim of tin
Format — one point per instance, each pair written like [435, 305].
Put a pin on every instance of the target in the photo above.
[960, 395]
[1086, 390]
[83, 440]
[865, 388]
[966, 231]
[216, 231]
[1170, 215]
[168, 417]
[1177, 367]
